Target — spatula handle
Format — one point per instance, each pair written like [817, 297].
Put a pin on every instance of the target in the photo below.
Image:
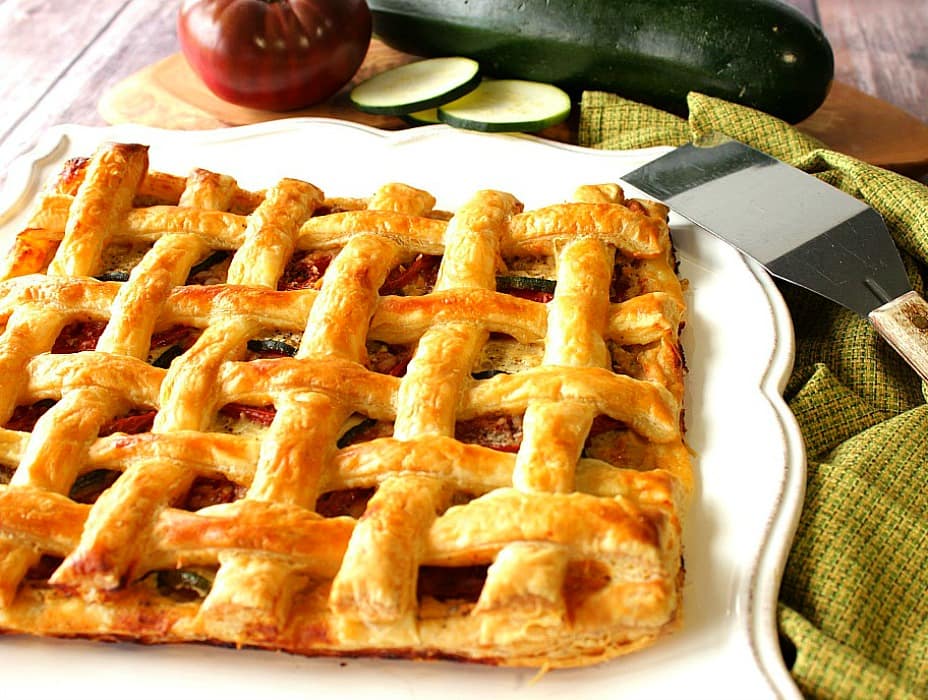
[903, 322]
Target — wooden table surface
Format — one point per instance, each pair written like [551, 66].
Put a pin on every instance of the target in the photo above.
[58, 57]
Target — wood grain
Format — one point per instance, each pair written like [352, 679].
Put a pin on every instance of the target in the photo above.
[881, 48]
[62, 56]
[807, 7]
[28, 27]
[903, 322]
[871, 130]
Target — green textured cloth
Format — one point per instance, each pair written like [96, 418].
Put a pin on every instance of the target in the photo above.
[853, 610]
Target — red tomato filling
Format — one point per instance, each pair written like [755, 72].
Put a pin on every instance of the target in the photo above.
[211, 491]
[262, 415]
[604, 424]
[304, 271]
[388, 359]
[420, 275]
[78, 337]
[451, 583]
[24, 418]
[499, 432]
[532, 295]
[352, 502]
[183, 336]
[135, 422]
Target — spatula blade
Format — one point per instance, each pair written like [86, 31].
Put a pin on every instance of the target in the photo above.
[800, 228]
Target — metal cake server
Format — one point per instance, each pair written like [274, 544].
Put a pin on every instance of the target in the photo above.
[799, 228]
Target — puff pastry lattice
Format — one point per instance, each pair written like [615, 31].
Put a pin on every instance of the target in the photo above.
[340, 426]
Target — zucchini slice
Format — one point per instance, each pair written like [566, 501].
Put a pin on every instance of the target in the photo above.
[424, 117]
[89, 485]
[508, 105]
[164, 360]
[214, 258]
[113, 276]
[182, 584]
[506, 283]
[417, 86]
[355, 432]
[271, 346]
[487, 373]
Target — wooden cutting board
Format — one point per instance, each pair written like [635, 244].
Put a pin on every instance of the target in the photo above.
[168, 94]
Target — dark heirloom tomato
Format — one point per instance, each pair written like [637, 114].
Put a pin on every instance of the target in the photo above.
[274, 54]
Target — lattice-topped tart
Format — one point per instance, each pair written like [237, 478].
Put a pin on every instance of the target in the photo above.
[357, 426]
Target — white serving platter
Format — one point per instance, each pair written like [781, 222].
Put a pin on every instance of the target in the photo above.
[748, 450]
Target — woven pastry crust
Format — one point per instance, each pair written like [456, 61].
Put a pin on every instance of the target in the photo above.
[349, 426]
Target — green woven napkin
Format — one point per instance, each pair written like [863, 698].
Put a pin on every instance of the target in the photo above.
[853, 612]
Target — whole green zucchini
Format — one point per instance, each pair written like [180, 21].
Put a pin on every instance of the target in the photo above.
[760, 53]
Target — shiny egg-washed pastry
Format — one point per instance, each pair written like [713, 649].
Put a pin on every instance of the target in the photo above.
[352, 426]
